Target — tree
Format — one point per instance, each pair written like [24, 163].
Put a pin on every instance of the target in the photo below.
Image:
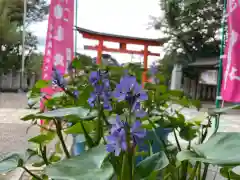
[9, 36]
[192, 27]
[11, 24]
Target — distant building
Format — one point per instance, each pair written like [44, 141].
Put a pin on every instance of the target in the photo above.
[107, 59]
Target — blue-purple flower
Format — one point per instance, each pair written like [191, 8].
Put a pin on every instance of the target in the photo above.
[76, 94]
[132, 92]
[58, 79]
[153, 71]
[101, 93]
[137, 132]
[117, 141]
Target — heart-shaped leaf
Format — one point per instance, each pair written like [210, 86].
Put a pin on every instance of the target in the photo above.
[80, 112]
[221, 149]
[43, 139]
[228, 172]
[42, 84]
[11, 161]
[89, 165]
[153, 163]
[77, 128]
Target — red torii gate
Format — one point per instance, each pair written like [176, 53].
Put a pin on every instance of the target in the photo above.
[123, 41]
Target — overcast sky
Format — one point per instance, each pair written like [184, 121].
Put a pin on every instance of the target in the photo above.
[124, 17]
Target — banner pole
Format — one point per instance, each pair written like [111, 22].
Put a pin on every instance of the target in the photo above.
[76, 24]
[219, 77]
[78, 144]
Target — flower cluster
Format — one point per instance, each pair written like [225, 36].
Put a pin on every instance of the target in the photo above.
[58, 79]
[131, 91]
[117, 140]
[101, 93]
[153, 71]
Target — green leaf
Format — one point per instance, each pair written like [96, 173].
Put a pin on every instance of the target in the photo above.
[156, 162]
[89, 165]
[190, 2]
[176, 93]
[38, 164]
[42, 84]
[58, 148]
[54, 158]
[221, 149]
[188, 132]
[226, 171]
[200, 118]
[78, 112]
[76, 64]
[223, 110]
[43, 139]
[77, 128]
[161, 89]
[28, 117]
[10, 162]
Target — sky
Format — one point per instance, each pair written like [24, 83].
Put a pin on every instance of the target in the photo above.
[123, 17]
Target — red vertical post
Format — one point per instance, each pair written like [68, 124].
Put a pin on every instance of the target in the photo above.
[145, 64]
[99, 52]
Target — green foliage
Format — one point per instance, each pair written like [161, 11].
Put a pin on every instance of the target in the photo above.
[227, 146]
[11, 22]
[174, 161]
[88, 165]
[192, 28]
[152, 165]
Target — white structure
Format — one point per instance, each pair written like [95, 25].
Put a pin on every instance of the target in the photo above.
[176, 79]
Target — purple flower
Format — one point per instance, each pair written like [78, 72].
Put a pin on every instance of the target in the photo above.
[139, 112]
[153, 71]
[137, 132]
[132, 92]
[76, 94]
[118, 125]
[129, 90]
[116, 141]
[58, 79]
[101, 93]
[94, 77]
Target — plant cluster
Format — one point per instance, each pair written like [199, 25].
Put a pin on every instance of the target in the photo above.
[124, 128]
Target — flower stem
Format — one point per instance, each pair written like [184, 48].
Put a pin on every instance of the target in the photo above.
[205, 171]
[184, 170]
[199, 172]
[60, 136]
[32, 174]
[43, 151]
[176, 139]
[99, 125]
[126, 171]
[194, 171]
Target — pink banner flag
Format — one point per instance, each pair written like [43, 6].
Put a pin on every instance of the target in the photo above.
[231, 61]
[59, 42]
